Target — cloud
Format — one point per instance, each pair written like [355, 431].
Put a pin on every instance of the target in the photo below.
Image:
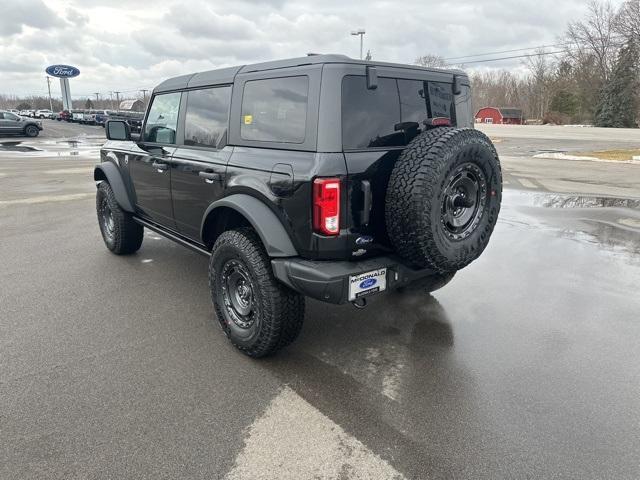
[15, 15]
[124, 45]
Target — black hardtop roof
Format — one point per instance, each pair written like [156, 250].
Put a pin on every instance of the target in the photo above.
[227, 75]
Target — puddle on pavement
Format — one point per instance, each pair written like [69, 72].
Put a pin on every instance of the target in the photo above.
[88, 146]
[611, 223]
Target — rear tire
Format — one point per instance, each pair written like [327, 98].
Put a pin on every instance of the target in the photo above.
[257, 313]
[121, 234]
[31, 131]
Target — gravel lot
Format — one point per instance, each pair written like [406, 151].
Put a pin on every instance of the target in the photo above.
[525, 366]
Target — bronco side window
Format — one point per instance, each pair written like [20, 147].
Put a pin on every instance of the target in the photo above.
[162, 120]
[275, 110]
[206, 116]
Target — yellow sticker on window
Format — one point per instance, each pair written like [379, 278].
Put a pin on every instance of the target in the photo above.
[248, 119]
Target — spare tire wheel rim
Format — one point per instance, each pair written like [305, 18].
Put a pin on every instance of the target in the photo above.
[463, 201]
[237, 294]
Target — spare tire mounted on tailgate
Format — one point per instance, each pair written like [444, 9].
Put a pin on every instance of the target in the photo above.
[443, 198]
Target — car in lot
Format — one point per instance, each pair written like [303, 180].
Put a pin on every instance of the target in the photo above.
[43, 114]
[77, 116]
[375, 181]
[13, 124]
[133, 119]
[63, 115]
[14, 111]
[102, 116]
[89, 117]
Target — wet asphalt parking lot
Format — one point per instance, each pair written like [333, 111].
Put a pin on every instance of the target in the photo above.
[527, 365]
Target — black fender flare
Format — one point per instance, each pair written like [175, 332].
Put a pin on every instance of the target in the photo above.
[108, 171]
[274, 237]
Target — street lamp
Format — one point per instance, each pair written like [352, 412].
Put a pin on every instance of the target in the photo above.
[360, 32]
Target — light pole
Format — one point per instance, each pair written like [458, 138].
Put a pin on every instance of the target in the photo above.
[360, 32]
[49, 88]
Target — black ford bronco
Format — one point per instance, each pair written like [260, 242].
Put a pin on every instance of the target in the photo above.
[320, 176]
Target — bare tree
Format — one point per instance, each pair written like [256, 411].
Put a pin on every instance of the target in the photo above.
[431, 60]
[595, 36]
[628, 21]
[541, 68]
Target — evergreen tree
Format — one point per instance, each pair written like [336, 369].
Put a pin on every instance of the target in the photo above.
[618, 102]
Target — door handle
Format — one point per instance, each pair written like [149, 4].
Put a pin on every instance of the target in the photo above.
[210, 177]
[161, 167]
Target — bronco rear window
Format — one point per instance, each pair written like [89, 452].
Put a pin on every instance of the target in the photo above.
[392, 114]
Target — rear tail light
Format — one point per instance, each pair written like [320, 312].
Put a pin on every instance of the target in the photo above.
[326, 206]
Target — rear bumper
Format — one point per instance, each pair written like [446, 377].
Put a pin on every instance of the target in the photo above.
[328, 281]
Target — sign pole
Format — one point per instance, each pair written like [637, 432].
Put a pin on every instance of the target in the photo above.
[66, 94]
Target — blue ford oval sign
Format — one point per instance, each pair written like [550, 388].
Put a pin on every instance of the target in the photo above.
[62, 71]
[368, 283]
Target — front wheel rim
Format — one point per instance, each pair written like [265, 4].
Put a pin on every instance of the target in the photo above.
[463, 201]
[238, 294]
[106, 219]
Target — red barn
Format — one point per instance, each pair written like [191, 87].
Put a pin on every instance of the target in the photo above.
[501, 116]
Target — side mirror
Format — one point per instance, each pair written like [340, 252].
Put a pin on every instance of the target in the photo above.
[118, 130]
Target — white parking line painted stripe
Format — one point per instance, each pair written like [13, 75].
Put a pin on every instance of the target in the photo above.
[69, 170]
[46, 199]
[293, 440]
[527, 183]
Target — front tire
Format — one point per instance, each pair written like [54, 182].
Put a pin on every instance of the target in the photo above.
[121, 234]
[257, 313]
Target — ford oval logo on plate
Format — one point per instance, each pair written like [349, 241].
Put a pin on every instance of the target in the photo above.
[368, 283]
[62, 71]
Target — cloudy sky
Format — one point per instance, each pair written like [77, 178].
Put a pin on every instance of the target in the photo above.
[127, 45]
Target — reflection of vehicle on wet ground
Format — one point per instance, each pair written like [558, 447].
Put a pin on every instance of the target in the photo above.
[10, 123]
[86, 146]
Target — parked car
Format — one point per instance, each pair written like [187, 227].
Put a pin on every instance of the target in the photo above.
[102, 116]
[44, 114]
[89, 117]
[14, 111]
[77, 116]
[10, 123]
[377, 181]
[24, 113]
[63, 115]
[133, 119]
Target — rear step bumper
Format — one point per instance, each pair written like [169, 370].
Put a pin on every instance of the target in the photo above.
[329, 280]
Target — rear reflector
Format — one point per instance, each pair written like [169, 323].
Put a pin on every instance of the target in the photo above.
[326, 206]
[441, 122]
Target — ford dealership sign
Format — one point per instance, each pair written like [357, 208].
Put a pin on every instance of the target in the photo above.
[62, 71]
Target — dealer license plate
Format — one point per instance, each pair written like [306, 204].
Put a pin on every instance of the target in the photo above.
[367, 283]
